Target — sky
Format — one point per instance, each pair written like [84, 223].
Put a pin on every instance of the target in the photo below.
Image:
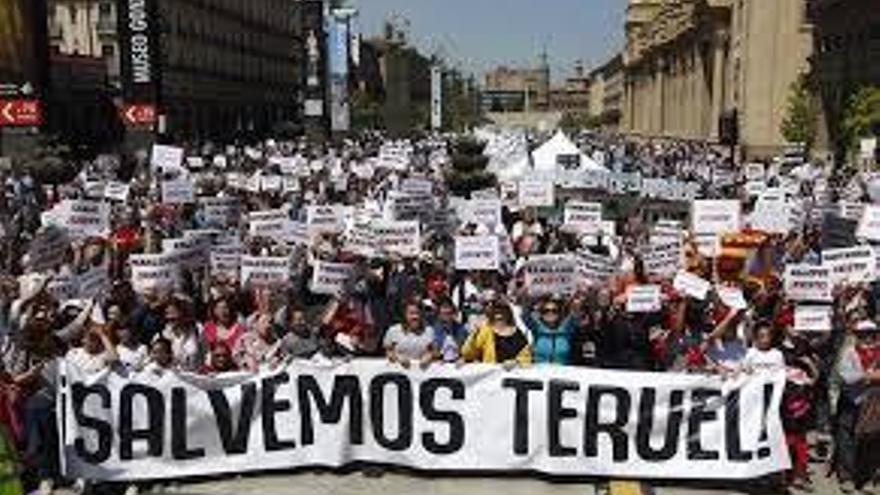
[477, 35]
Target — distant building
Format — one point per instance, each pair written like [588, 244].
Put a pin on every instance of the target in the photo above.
[508, 89]
[573, 96]
[846, 53]
[688, 62]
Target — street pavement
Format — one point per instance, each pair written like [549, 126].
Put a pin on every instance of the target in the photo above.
[404, 483]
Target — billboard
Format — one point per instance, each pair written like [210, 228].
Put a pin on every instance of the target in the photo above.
[139, 50]
[23, 47]
[338, 61]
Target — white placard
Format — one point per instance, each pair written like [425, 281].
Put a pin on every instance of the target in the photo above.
[402, 238]
[853, 265]
[867, 148]
[537, 193]
[330, 278]
[808, 283]
[812, 318]
[117, 191]
[82, 218]
[732, 297]
[550, 275]
[583, 217]
[166, 158]
[692, 285]
[154, 272]
[481, 212]
[643, 299]
[264, 271]
[178, 192]
[716, 216]
[869, 225]
[477, 253]
[225, 265]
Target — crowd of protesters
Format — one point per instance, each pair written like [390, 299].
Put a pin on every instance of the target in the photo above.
[419, 311]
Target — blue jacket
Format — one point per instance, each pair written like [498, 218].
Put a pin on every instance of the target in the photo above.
[551, 345]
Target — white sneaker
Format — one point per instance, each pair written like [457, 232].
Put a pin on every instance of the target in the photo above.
[132, 490]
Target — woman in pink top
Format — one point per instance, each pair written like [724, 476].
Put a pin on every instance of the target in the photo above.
[224, 325]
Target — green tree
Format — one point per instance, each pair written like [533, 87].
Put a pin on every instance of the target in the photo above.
[802, 113]
[862, 116]
[468, 171]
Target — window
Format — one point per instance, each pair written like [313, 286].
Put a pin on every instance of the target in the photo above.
[108, 51]
[105, 10]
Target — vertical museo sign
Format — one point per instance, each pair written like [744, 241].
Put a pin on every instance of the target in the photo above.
[139, 44]
[338, 60]
[436, 98]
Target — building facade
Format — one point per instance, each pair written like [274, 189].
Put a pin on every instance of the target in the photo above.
[688, 62]
[573, 96]
[84, 84]
[846, 54]
[507, 89]
[212, 70]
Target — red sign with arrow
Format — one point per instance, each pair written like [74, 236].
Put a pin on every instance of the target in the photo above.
[21, 113]
[135, 115]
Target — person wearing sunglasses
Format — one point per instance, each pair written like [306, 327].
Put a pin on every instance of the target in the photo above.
[553, 328]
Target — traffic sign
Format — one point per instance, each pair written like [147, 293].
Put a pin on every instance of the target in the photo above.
[21, 113]
[138, 115]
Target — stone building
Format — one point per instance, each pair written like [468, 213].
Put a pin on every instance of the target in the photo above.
[517, 89]
[688, 62]
[573, 95]
[846, 53]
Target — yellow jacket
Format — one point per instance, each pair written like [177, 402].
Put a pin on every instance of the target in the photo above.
[480, 346]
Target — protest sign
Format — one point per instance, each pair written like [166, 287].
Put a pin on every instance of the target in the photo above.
[270, 224]
[195, 162]
[692, 285]
[83, 218]
[325, 219]
[48, 249]
[94, 283]
[869, 225]
[536, 192]
[808, 283]
[643, 299]
[154, 272]
[409, 206]
[812, 318]
[178, 191]
[360, 240]
[853, 265]
[225, 265]
[550, 275]
[554, 420]
[715, 216]
[402, 238]
[583, 217]
[270, 183]
[264, 271]
[662, 259]
[481, 212]
[732, 297]
[755, 172]
[166, 158]
[220, 212]
[330, 278]
[63, 287]
[117, 191]
[417, 186]
[593, 268]
[477, 253]
[867, 148]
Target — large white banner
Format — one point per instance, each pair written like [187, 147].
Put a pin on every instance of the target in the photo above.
[555, 420]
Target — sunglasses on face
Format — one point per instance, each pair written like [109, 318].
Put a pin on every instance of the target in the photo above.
[550, 311]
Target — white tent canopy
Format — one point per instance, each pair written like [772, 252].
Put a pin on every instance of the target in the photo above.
[547, 158]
